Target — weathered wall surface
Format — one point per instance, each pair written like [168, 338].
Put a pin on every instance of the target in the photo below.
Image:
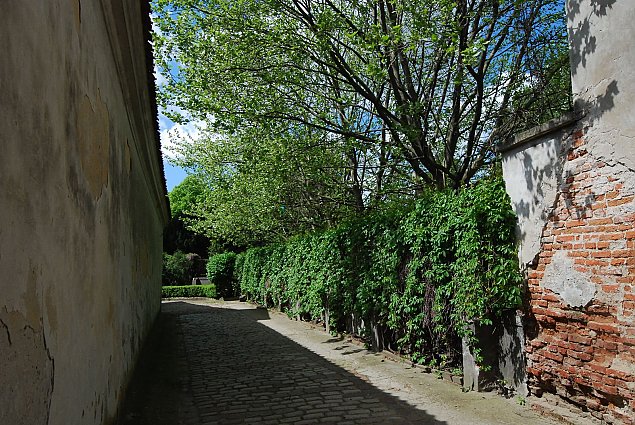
[532, 166]
[82, 207]
[581, 333]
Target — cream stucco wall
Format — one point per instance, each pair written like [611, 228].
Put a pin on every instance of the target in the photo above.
[82, 208]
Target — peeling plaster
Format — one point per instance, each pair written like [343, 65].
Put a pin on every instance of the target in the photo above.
[26, 372]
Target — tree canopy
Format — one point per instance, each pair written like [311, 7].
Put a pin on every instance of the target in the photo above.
[319, 108]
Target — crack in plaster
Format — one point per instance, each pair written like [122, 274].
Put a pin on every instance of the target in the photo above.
[52, 360]
[6, 327]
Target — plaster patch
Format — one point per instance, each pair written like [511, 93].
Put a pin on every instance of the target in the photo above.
[51, 309]
[623, 365]
[93, 132]
[531, 178]
[573, 287]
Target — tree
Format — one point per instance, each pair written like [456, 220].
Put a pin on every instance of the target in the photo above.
[266, 186]
[185, 199]
[401, 87]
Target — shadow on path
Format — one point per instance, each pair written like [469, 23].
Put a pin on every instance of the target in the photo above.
[212, 365]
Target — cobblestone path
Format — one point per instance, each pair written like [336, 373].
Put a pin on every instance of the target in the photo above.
[207, 365]
[209, 362]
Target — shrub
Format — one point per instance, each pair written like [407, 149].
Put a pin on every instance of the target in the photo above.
[220, 271]
[176, 269]
[188, 291]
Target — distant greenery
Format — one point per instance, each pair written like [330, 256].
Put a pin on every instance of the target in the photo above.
[415, 274]
[176, 269]
[185, 200]
[220, 272]
[188, 291]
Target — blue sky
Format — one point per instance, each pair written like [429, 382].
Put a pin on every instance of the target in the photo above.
[173, 174]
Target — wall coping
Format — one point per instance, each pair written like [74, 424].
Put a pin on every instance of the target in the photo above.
[128, 26]
[539, 131]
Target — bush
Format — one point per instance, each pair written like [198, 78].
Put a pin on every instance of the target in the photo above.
[220, 272]
[176, 269]
[409, 278]
[188, 291]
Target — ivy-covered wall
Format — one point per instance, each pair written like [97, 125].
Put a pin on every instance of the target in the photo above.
[409, 278]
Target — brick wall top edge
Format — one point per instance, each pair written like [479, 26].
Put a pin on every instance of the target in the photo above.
[537, 132]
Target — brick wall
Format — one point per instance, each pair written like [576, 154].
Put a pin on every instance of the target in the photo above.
[585, 352]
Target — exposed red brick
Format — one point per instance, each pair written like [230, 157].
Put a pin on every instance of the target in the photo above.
[603, 327]
[590, 262]
[600, 221]
[610, 289]
[622, 253]
[579, 339]
[556, 357]
[611, 236]
[618, 202]
[550, 297]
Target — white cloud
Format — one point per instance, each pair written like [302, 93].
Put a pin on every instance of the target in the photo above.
[176, 136]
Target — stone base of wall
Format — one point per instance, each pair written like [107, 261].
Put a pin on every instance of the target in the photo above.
[552, 406]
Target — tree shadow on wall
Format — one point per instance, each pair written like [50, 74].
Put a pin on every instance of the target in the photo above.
[583, 44]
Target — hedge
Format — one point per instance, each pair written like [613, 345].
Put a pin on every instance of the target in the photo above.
[188, 291]
[220, 272]
[409, 278]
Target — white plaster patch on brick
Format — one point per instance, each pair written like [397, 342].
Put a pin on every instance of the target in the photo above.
[573, 287]
[599, 186]
[532, 179]
[623, 365]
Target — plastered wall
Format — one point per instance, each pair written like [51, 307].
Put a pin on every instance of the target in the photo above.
[82, 207]
[573, 188]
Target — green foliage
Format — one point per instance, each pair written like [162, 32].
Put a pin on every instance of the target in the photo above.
[426, 86]
[415, 274]
[220, 271]
[188, 291]
[187, 195]
[265, 187]
[176, 269]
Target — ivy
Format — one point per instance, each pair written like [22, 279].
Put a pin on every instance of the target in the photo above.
[416, 275]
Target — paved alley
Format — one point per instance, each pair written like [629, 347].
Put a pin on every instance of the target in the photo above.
[210, 362]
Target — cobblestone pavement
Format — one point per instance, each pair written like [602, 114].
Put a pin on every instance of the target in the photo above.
[208, 364]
